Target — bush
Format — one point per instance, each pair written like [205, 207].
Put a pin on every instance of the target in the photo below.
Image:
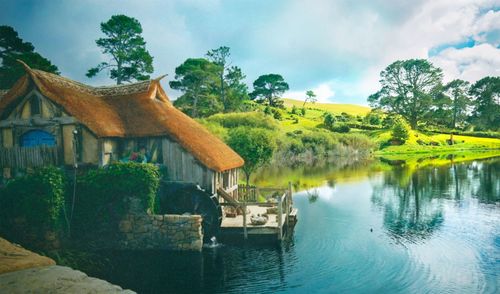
[101, 192]
[246, 119]
[303, 111]
[341, 128]
[277, 114]
[37, 197]
[400, 130]
[329, 120]
[294, 110]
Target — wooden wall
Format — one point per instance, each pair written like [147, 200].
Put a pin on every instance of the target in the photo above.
[183, 167]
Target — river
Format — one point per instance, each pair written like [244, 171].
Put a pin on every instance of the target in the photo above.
[366, 228]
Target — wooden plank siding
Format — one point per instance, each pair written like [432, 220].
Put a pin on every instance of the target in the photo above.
[28, 157]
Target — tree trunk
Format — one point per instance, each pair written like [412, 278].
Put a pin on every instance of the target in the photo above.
[119, 73]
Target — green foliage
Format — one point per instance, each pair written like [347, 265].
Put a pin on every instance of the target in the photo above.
[231, 89]
[310, 97]
[486, 93]
[127, 48]
[101, 192]
[374, 118]
[268, 110]
[400, 130]
[244, 119]
[303, 111]
[12, 48]
[277, 114]
[407, 89]
[38, 198]
[268, 88]
[255, 145]
[341, 128]
[198, 79]
[328, 120]
[294, 110]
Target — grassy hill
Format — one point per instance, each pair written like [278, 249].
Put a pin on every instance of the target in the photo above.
[334, 108]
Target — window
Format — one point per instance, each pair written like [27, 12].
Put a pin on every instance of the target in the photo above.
[35, 105]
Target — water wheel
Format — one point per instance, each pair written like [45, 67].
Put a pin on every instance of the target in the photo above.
[181, 198]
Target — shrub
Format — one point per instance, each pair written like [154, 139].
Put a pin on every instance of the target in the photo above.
[400, 130]
[38, 198]
[247, 119]
[341, 128]
[329, 121]
[101, 192]
[303, 111]
[277, 114]
[294, 110]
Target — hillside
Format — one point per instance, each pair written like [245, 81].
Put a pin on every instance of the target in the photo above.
[334, 108]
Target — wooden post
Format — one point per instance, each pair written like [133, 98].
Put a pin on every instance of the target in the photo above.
[280, 217]
[288, 203]
[245, 233]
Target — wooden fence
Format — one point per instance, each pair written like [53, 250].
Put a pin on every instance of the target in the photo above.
[24, 157]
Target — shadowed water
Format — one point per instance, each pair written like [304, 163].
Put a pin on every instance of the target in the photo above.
[392, 230]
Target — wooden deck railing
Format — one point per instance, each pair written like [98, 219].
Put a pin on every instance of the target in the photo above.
[24, 157]
[280, 198]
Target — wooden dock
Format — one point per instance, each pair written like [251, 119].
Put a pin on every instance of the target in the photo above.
[278, 209]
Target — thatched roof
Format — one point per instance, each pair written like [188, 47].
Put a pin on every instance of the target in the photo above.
[127, 111]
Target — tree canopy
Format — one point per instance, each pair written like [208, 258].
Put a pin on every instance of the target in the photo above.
[310, 97]
[408, 87]
[125, 45]
[197, 78]
[268, 88]
[452, 103]
[231, 89]
[486, 103]
[12, 47]
[255, 145]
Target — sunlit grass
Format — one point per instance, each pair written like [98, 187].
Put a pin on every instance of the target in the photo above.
[330, 107]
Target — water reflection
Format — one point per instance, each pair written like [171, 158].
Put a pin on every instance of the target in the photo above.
[436, 229]
[412, 199]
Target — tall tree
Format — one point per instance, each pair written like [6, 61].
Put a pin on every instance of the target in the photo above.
[310, 97]
[12, 47]
[237, 90]
[486, 103]
[231, 88]
[197, 78]
[407, 89]
[267, 89]
[124, 43]
[456, 94]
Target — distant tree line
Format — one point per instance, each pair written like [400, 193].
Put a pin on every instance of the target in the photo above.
[414, 89]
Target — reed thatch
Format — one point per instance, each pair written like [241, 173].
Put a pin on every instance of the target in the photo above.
[126, 111]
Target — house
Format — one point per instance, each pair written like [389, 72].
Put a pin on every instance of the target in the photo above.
[48, 119]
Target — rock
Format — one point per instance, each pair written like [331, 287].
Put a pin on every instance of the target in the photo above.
[125, 226]
[55, 279]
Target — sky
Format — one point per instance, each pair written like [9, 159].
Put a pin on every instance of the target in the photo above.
[337, 48]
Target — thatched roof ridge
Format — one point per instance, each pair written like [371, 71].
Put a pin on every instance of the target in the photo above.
[128, 111]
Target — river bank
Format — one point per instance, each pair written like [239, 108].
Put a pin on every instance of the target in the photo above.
[23, 271]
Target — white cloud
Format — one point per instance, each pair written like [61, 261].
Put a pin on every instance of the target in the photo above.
[469, 64]
[324, 93]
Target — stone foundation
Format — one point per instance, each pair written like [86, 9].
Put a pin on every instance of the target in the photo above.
[169, 232]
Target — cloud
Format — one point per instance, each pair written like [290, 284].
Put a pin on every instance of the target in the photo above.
[336, 48]
[324, 93]
[470, 64]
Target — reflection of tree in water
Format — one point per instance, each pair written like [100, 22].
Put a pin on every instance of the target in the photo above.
[407, 199]
[412, 199]
[486, 177]
[312, 195]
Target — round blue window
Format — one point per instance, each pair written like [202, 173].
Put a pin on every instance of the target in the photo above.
[37, 138]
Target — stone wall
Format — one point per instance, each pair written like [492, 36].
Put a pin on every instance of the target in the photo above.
[170, 232]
